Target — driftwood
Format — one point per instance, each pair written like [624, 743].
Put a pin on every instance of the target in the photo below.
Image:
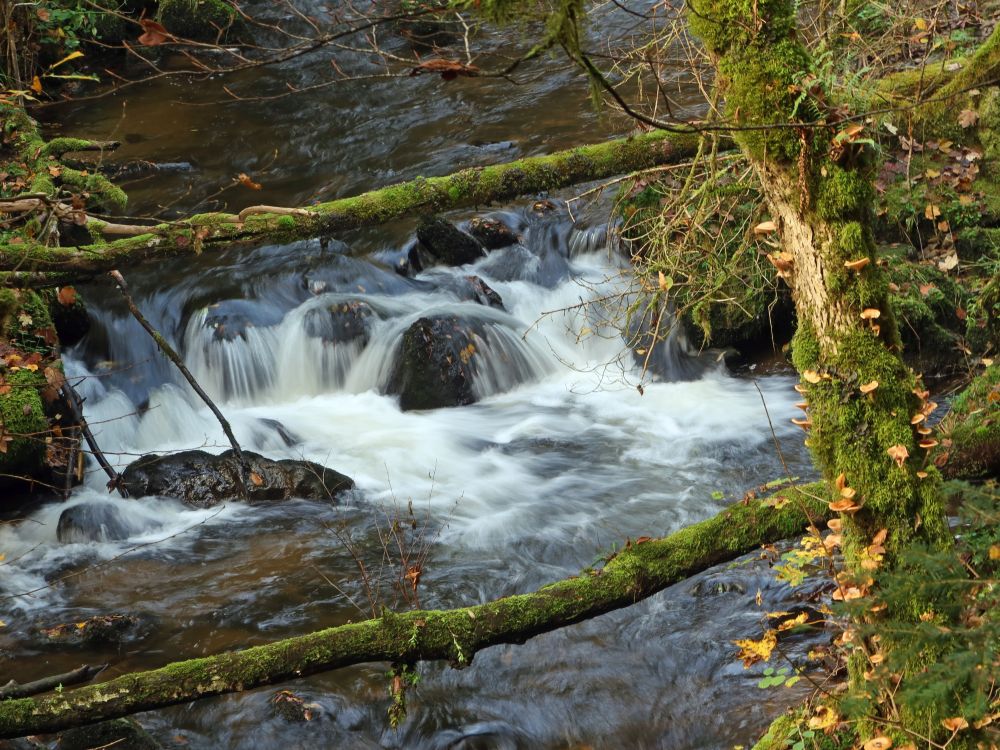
[640, 570]
[178, 362]
[75, 405]
[83, 673]
[479, 186]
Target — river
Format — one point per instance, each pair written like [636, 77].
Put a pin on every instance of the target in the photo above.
[562, 458]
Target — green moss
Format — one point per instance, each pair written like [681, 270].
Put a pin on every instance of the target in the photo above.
[22, 415]
[843, 193]
[727, 25]
[758, 81]
[100, 188]
[973, 427]
[199, 19]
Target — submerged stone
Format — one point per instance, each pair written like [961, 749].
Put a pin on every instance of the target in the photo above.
[203, 479]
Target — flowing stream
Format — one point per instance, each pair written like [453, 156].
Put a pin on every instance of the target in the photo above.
[561, 459]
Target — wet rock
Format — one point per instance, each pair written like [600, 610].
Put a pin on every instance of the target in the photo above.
[101, 630]
[434, 368]
[448, 243]
[492, 233]
[69, 315]
[485, 294]
[96, 522]
[203, 480]
[341, 322]
[292, 707]
[466, 288]
[230, 319]
[122, 734]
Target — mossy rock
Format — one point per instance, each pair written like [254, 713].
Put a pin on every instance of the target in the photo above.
[202, 20]
[973, 427]
[23, 419]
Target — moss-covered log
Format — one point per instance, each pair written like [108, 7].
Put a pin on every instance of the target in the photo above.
[470, 187]
[635, 573]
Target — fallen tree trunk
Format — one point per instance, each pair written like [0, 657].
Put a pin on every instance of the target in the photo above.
[637, 572]
[478, 186]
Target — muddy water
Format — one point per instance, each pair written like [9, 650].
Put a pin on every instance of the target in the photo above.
[561, 459]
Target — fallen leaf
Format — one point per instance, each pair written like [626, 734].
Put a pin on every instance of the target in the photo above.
[245, 181]
[968, 117]
[36, 85]
[949, 262]
[154, 33]
[256, 478]
[66, 295]
[931, 211]
[448, 69]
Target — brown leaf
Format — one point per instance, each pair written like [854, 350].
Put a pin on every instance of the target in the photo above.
[244, 179]
[256, 478]
[36, 85]
[968, 117]
[154, 33]
[66, 296]
[448, 69]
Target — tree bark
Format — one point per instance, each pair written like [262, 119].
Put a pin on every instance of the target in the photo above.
[635, 573]
[866, 410]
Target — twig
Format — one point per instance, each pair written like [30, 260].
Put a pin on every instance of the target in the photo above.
[83, 673]
[174, 357]
[72, 400]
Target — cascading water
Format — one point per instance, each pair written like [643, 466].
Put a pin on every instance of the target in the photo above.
[559, 459]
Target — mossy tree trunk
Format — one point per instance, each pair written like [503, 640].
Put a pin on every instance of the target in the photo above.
[865, 409]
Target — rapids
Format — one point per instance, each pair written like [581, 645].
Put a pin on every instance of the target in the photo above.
[560, 460]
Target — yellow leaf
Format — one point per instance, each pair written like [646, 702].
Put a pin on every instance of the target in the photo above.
[752, 651]
[70, 56]
[3, 624]
[931, 211]
[36, 85]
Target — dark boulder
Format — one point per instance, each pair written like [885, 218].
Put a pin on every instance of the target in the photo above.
[435, 367]
[492, 233]
[448, 243]
[203, 480]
